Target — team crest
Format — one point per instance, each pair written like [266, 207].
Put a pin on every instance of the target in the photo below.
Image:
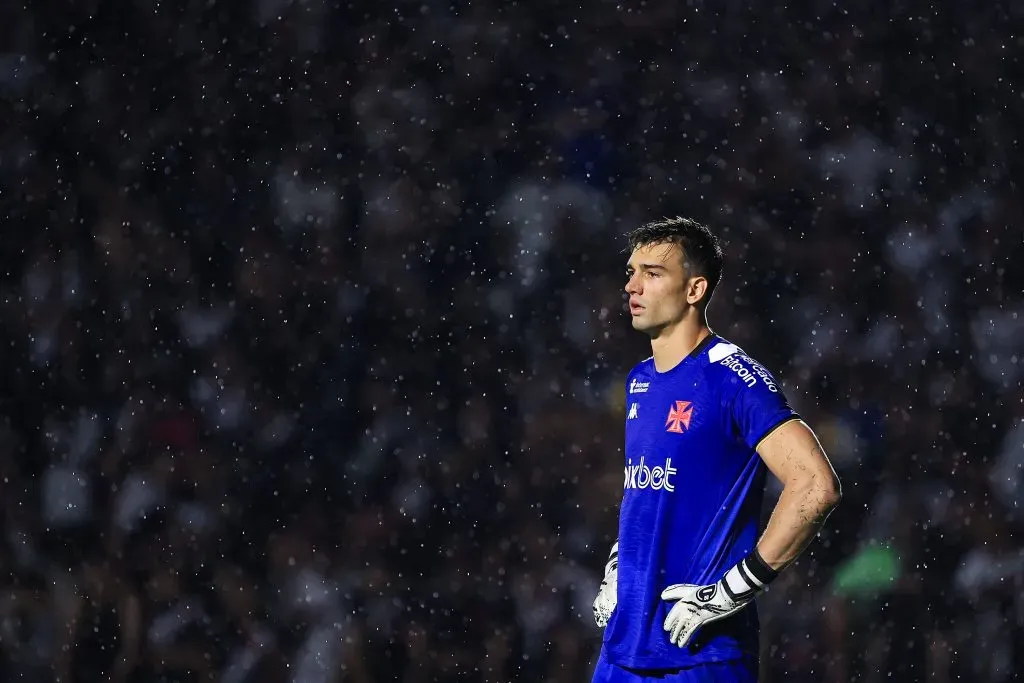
[679, 416]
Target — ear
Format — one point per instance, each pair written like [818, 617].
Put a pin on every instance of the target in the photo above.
[696, 288]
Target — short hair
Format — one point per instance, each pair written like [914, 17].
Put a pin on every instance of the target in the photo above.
[702, 251]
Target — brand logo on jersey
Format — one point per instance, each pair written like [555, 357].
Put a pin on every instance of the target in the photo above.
[749, 371]
[638, 387]
[632, 412]
[643, 477]
[679, 416]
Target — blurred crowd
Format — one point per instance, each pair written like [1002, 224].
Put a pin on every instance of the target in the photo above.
[315, 334]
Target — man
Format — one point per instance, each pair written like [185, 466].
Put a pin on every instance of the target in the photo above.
[704, 423]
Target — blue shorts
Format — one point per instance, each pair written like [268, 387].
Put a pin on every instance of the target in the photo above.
[740, 671]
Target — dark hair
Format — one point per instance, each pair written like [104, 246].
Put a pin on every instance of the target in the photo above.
[702, 252]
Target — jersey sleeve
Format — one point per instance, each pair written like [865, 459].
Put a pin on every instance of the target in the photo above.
[753, 400]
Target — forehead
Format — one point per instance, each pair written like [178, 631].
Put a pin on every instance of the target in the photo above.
[665, 254]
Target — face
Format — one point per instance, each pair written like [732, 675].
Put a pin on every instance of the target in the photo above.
[660, 293]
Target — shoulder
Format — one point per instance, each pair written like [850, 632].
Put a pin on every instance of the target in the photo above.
[727, 365]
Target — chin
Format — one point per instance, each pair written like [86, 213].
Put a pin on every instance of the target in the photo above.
[640, 325]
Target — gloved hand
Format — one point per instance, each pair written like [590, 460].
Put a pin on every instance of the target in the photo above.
[607, 596]
[699, 605]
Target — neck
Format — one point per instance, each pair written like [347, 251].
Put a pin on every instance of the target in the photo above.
[675, 343]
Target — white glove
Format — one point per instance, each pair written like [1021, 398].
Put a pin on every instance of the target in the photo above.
[699, 605]
[607, 596]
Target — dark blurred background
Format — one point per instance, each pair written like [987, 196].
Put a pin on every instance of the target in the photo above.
[314, 337]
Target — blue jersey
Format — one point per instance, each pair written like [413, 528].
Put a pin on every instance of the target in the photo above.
[692, 497]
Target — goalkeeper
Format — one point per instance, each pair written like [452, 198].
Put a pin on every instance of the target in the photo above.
[704, 425]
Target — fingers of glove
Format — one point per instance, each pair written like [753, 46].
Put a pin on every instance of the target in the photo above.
[604, 604]
[677, 591]
[680, 624]
[684, 631]
[675, 615]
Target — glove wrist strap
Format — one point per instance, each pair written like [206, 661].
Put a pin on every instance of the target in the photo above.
[613, 559]
[748, 578]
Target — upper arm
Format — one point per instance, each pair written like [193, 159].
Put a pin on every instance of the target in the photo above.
[754, 403]
[794, 455]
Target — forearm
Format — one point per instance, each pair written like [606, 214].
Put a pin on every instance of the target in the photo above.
[800, 512]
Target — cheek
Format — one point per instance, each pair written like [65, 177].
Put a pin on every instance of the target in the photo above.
[666, 297]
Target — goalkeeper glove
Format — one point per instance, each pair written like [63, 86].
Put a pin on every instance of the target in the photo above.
[699, 605]
[607, 596]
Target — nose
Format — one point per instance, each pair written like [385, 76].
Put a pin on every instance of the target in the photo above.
[633, 284]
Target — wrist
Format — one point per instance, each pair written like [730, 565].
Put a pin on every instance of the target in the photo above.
[763, 571]
[750, 576]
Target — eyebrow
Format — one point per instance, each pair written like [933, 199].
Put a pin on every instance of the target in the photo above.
[648, 266]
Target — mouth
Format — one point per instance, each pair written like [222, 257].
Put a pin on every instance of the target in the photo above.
[635, 308]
